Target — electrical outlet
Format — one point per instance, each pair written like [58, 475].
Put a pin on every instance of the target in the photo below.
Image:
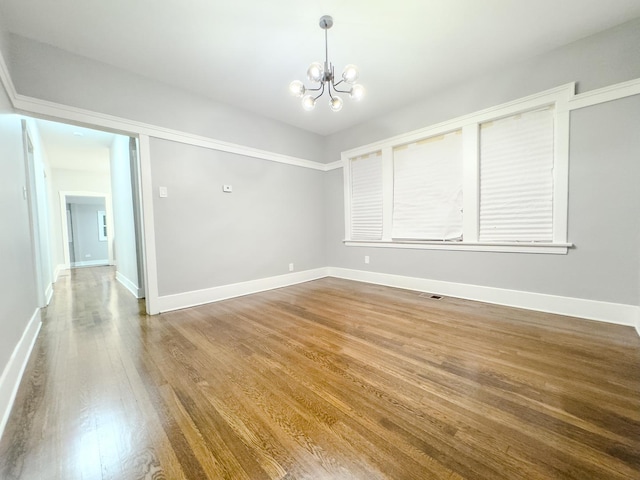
[291, 267]
[88, 255]
[227, 188]
[366, 259]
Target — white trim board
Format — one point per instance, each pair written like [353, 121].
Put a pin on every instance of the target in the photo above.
[6, 80]
[129, 285]
[12, 374]
[56, 111]
[148, 227]
[605, 94]
[620, 314]
[48, 294]
[178, 301]
[91, 263]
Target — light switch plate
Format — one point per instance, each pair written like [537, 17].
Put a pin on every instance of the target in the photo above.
[163, 192]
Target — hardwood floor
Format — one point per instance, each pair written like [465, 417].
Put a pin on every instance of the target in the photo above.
[330, 379]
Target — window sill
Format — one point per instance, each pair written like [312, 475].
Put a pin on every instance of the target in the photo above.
[548, 248]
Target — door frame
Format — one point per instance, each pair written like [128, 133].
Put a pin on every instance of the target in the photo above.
[43, 292]
[64, 222]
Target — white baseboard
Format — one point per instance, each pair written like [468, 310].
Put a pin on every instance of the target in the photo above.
[167, 303]
[13, 371]
[617, 313]
[48, 293]
[129, 285]
[59, 268]
[91, 263]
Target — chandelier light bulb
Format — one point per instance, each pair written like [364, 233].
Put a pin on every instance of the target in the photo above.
[357, 92]
[350, 74]
[315, 72]
[336, 104]
[296, 88]
[308, 103]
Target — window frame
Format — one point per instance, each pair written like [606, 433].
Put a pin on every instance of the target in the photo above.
[558, 97]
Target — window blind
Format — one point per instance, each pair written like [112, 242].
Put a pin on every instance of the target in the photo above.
[427, 189]
[366, 197]
[516, 178]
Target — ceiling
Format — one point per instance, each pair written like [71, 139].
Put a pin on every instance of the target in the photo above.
[245, 53]
[70, 147]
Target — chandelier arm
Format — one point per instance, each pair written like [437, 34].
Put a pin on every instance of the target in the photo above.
[313, 89]
[330, 82]
[322, 92]
[341, 91]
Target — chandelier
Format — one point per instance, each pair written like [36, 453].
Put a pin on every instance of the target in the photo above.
[324, 75]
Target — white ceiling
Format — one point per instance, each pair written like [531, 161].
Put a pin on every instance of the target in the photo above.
[245, 53]
[70, 147]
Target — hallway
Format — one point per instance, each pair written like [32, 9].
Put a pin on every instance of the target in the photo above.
[322, 380]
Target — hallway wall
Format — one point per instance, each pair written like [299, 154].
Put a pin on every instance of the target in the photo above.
[124, 239]
[17, 277]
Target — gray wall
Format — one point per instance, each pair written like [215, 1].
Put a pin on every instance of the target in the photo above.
[124, 240]
[604, 224]
[604, 198]
[86, 242]
[207, 238]
[42, 71]
[17, 281]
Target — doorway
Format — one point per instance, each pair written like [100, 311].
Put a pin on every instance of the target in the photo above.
[92, 195]
[87, 234]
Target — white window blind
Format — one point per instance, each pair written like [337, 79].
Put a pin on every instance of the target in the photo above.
[366, 197]
[516, 178]
[427, 189]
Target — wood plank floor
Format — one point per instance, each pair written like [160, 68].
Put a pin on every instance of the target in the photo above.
[329, 379]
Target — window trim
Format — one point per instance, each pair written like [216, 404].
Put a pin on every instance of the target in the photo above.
[558, 97]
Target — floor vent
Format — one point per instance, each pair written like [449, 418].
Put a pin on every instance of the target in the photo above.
[430, 295]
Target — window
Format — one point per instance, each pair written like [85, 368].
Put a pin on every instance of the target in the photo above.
[366, 196]
[427, 189]
[516, 178]
[494, 180]
[102, 226]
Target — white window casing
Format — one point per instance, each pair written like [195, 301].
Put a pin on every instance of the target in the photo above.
[494, 180]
